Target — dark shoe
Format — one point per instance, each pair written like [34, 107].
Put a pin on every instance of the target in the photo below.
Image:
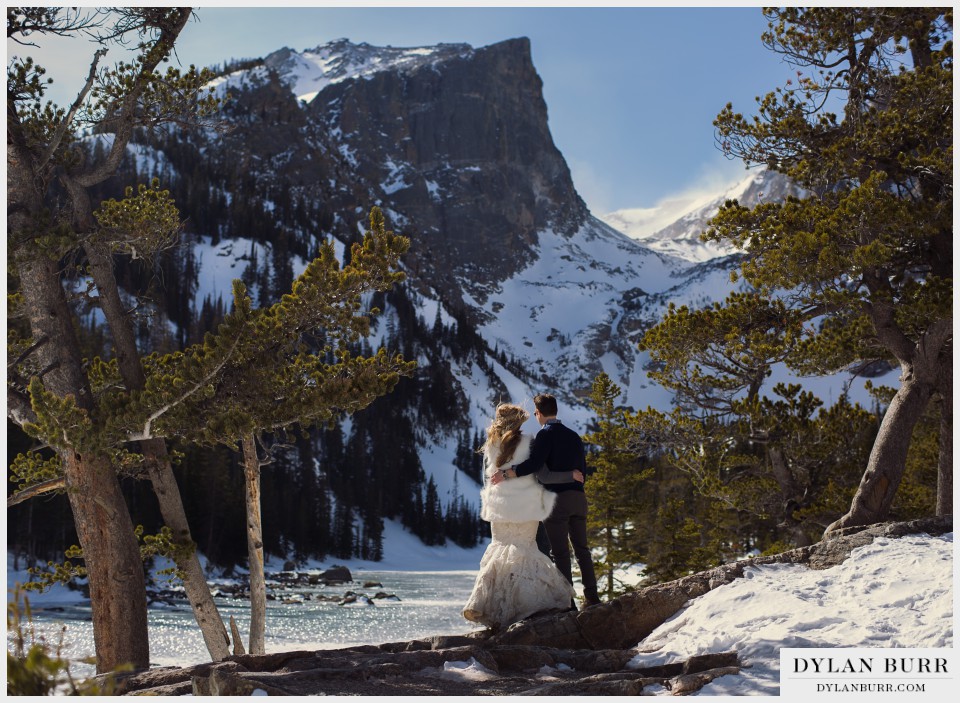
[590, 602]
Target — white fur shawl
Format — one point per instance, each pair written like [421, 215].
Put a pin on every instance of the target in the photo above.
[520, 499]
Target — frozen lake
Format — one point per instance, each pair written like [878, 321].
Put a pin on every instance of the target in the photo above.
[429, 604]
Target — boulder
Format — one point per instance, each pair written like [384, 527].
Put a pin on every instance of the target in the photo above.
[336, 574]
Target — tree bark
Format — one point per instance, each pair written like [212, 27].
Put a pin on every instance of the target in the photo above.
[237, 639]
[118, 599]
[54, 484]
[888, 457]
[791, 494]
[188, 562]
[945, 463]
[258, 586]
[160, 470]
[110, 550]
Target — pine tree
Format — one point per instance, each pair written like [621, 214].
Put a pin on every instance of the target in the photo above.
[49, 387]
[616, 485]
[255, 375]
[343, 542]
[433, 531]
[865, 260]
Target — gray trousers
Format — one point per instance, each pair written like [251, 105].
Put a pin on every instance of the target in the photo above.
[568, 524]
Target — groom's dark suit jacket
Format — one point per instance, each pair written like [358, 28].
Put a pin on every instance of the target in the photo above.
[560, 449]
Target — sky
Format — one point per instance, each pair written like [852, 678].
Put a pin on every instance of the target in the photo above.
[892, 593]
[631, 91]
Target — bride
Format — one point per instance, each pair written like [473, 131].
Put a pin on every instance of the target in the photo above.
[516, 579]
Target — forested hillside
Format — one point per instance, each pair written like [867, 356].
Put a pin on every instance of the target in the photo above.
[266, 181]
[511, 287]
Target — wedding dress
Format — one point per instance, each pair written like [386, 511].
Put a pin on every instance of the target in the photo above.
[516, 580]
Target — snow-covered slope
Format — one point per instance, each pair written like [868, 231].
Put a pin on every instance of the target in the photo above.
[567, 296]
[310, 71]
[675, 224]
[562, 314]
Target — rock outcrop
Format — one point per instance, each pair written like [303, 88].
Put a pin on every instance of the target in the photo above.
[577, 653]
[453, 141]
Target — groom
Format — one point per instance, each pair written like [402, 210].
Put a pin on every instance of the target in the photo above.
[561, 450]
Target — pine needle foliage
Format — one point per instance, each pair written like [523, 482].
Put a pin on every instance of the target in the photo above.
[856, 273]
[865, 259]
[615, 485]
[258, 372]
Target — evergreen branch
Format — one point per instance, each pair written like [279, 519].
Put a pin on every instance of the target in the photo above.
[19, 409]
[64, 125]
[25, 21]
[27, 352]
[147, 429]
[35, 490]
[169, 31]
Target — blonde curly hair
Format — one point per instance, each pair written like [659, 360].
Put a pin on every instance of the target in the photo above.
[505, 431]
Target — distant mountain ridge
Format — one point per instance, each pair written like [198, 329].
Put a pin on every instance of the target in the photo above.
[453, 143]
[513, 287]
[674, 225]
[308, 72]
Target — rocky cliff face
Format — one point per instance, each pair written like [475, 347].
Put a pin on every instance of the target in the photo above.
[452, 141]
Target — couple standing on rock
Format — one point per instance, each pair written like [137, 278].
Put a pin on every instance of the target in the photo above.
[529, 481]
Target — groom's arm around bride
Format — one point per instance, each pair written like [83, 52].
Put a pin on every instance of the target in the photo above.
[561, 450]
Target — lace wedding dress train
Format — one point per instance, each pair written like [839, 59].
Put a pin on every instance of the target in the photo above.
[516, 579]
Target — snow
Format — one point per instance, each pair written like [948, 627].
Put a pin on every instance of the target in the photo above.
[657, 226]
[58, 594]
[892, 593]
[403, 551]
[394, 180]
[470, 670]
[437, 461]
[565, 315]
[220, 265]
[562, 310]
[308, 72]
[434, 189]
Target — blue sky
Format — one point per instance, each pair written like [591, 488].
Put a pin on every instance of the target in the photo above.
[631, 91]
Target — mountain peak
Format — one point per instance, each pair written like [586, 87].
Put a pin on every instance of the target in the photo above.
[310, 71]
[673, 226]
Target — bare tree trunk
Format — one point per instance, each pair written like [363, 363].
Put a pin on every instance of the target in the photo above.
[945, 463]
[237, 639]
[118, 598]
[791, 494]
[887, 461]
[609, 545]
[160, 470]
[194, 580]
[110, 550]
[258, 586]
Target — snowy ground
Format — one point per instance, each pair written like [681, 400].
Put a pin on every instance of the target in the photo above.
[893, 593]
